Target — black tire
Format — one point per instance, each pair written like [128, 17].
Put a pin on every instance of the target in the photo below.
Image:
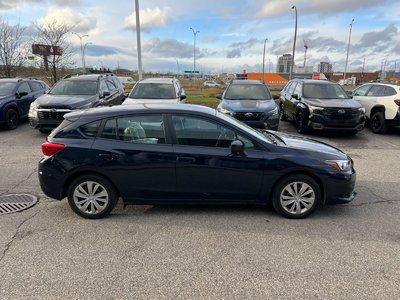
[282, 117]
[45, 131]
[301, 206]
[300, 122]
[82, 192]
[12, 119]
[378, 123]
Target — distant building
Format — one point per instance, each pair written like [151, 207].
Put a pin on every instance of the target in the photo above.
[324, 67]
[284, 63]
[302, 69]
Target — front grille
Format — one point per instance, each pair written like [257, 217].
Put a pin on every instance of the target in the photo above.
[249, 116]
[333, 114]
[52, 114]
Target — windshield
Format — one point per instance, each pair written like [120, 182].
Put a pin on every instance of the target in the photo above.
[247, 92]
[244, 127]
[153, 91]
[75, 87]
[6, 88]
[324, 91]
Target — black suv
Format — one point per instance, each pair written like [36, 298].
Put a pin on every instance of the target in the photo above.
[16, 95]
[318, 104]
[74, 92]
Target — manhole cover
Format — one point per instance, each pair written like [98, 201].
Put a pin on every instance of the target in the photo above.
[16, 202]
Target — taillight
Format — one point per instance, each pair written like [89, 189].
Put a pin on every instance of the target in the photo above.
[49, 149]
[397, 102]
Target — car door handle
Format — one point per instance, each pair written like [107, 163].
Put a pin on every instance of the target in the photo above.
[186, 159]
[108, 156]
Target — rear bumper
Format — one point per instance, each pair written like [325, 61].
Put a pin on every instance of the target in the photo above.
[50, 181]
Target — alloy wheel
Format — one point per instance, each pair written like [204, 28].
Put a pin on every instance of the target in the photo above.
[90, 197]
[297, 198]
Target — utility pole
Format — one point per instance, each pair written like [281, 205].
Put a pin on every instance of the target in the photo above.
[264, 58]
[80, 36]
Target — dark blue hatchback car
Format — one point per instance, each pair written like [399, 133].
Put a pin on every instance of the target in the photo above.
[152, 154]
[16, 95]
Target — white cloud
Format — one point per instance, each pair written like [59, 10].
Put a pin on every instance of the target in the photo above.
[80, 23]
[149, 19]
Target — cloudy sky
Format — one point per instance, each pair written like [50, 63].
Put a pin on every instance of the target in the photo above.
[231, 32]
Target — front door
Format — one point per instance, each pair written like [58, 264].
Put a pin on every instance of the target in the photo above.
[206, 170]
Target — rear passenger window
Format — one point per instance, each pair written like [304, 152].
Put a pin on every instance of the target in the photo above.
[375, 91]
[135, 129]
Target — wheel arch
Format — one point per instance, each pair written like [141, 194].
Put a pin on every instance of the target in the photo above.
[79, 173]
[299, 172]
[377, 108]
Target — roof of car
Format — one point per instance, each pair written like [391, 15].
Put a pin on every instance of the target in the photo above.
[158, 80]
[117, 110]
[239, 81]
[315, 81]
[16, 79]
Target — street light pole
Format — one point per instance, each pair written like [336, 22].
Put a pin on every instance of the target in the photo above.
[265, 41]
[294, 42]
[84, 58]
[194, 50]
[139, 46]
[177, 65]
[80, 36]
[348, 48]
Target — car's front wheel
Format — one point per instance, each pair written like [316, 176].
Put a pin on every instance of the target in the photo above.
[92, 196]
[296, 196]
[300, 122]
[12, 119]
[282, 116]
[378, 123]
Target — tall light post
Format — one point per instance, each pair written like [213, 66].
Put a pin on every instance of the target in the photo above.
[265, 41]
[294, 42]
[81, 36]
[195, 32]
[84, 58]
[348, 48]
[177, 66]
[139, 45]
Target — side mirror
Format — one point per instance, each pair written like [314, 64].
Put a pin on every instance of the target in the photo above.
[296, 96]
[276, 97]
[219, 97]
[20, 95]
[237, 147]
[105, 94]
[182, 97]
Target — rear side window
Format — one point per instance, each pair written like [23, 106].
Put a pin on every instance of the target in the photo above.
[90, 129]
[57, 131]
[389, 91]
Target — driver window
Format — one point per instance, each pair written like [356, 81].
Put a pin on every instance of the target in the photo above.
[192, 131]
[103, 87]
[24, 88]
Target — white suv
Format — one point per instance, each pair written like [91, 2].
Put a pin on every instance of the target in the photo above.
[382, 104]
[157, 90]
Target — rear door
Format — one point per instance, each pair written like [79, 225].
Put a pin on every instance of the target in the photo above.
[136, 153]
[206, 170]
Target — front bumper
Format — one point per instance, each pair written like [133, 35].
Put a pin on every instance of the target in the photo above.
[265, 121]
[339, 188]
[318, 122]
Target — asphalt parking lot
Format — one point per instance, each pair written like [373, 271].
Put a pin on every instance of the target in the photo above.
[165, 252]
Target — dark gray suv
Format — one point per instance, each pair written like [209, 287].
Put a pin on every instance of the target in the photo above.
[251, 102]
[71, 93]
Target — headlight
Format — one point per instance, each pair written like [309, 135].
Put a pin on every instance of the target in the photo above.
[33, 110]
[362, 109]
[274, 112]
[315, 109]
[340, 165]
[225, 111]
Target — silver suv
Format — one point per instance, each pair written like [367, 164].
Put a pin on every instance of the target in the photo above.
[382, 104]
[157, 90]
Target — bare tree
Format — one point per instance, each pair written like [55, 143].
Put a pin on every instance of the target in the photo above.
[55, 34]
[10, 46]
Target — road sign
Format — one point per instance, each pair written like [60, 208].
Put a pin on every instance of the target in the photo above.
[46, 49]
[191, 72]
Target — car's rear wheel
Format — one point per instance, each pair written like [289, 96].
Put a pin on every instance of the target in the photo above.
[12, 119]
[296, 196]
[378, 123]
[92, 196]
[283, 117]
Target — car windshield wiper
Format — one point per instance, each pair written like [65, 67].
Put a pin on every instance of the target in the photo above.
[272, 136]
